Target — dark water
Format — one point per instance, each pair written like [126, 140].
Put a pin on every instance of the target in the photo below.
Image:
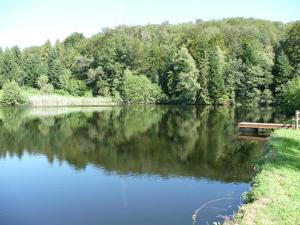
[139, 165]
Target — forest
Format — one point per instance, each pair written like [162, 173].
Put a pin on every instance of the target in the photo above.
[217, 62]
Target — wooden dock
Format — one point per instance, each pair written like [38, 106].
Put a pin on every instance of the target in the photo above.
[251, 129]
[264, 125]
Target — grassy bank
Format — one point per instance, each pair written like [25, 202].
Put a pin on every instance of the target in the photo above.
[275, 196]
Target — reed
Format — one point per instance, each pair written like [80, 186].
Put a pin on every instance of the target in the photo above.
[57, 100]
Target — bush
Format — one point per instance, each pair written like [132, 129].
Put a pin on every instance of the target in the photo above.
[291, 96]
[102, 88]
[139, 89]
[47, 89]
[12, 94]
[42, 81]
[76, 87]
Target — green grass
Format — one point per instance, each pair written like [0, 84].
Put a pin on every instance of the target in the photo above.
[275, 195]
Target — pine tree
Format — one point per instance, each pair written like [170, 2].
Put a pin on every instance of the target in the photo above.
[10, 69]
[282, 74]
[291, 44]
[33, 68]
[216, 86]
[199, 49]
[183, 79]
[54, 69]
[297, 71]
[46, 49]
[17, 55]
[202, 94]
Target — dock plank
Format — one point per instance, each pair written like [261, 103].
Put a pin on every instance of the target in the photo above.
[264, 125]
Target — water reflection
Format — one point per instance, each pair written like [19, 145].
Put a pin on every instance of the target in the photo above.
[164, 141]
[125, 165]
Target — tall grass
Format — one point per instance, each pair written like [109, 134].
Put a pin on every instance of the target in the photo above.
[57, 100]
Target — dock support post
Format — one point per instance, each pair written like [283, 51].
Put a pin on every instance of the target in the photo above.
[249, 131]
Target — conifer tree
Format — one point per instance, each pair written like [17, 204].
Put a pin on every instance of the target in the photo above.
[282, 74]
[216, 84]
[202, 94]
[10, 70]
[183, 79]
[33, 68]
[54, 69]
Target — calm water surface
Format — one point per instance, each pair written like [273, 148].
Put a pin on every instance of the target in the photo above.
[140, 165]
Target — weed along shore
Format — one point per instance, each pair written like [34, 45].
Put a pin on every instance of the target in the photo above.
[275, 194]
[63, 101]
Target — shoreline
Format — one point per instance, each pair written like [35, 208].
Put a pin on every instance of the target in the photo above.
[275, 194]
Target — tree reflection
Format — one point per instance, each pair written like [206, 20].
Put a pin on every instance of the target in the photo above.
[156, 140]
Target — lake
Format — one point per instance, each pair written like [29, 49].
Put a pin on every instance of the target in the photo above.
[137, 165]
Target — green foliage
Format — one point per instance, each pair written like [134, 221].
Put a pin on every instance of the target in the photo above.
[292, 43]
[74, 40]
[12, 94]
[42, 81]
[10, 70]
[256, 74]
[54, 69]
[202, 94]
[297, 71]
[45, 87]
[98, 80]
[216, 86]
[33, 68]
[182, 79]
[282, 74]
[232, 75]
[76, 87]
[139, 89]
[266, 97]
[291, 96]
[208, 62]
[72, 86]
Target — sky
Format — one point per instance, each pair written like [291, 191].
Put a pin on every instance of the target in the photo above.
[32, 22]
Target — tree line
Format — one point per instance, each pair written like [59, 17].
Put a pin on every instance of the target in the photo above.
[220, 62]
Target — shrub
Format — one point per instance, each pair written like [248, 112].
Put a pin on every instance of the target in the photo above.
[42, 81]
[102, 88]
[139, 89]
[88, 93]
[12, 94]
[76, 87]
[47, 89]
